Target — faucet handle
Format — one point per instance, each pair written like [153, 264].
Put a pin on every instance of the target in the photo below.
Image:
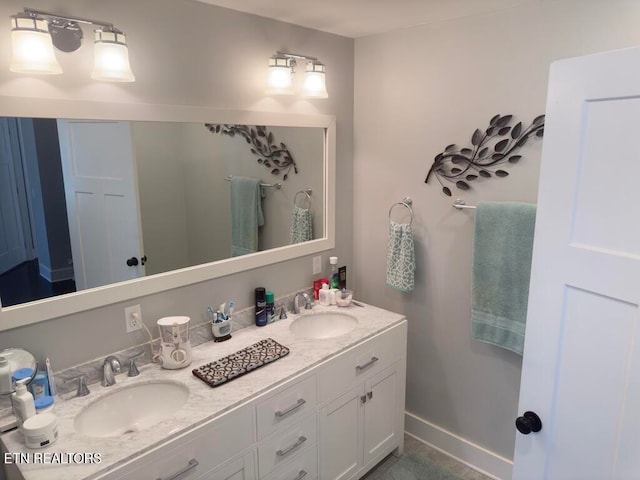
[133, 369]
[83, 390]
[283, 313]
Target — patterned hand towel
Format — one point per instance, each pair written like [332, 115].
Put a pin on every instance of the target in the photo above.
[301, 223]
[246, 215]
[401, 262]
[502, 251]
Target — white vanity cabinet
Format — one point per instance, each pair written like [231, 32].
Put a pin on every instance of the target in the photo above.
[336, 411]
[362, 415]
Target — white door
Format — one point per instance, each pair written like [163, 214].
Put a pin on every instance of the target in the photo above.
[12, 242]
[101, 191]
[581, 364]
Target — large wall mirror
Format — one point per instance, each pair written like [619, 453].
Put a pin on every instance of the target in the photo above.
[110, 202]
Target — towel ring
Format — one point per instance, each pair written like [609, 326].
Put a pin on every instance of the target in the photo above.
[306, 192]
[406, 202]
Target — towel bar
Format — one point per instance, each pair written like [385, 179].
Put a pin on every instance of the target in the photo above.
[459, 204]
[277, 185]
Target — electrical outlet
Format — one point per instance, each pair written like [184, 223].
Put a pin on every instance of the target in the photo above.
[317, 264]
[133, 318]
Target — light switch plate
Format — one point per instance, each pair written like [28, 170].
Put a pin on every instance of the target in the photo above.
[317, 264]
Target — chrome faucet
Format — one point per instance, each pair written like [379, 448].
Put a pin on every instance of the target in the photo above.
[110, 367]
[307, 302]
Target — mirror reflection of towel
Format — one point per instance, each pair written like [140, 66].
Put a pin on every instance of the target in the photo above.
[246, 215]
[301, 225]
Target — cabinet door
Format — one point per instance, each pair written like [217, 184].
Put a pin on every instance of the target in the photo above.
[341, 435]
[381, 413]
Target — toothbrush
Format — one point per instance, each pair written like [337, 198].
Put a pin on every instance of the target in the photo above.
[212, 314]
[229, 311]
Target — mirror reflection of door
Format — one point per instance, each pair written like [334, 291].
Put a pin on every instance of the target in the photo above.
[98, 165]
[34, 217]
[12, 243]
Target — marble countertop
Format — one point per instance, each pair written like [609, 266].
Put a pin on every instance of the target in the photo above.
[204, 403]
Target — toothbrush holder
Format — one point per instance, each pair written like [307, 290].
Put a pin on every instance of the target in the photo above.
[221, 330]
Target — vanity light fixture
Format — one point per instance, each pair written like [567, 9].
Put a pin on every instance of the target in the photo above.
[34, 33]
[282, 67]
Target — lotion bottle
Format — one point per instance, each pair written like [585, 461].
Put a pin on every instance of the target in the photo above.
[324, 298]
[23, 404]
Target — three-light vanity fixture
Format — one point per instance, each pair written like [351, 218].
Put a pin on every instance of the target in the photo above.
[34, 34]
[282, 66]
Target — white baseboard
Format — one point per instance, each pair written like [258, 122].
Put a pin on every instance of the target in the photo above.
[464, 451]
[56, 275]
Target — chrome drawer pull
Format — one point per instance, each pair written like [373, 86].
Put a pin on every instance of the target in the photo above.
[193, 463]
[301, 475]
[300, 441]
[373, 360]
[284, 413]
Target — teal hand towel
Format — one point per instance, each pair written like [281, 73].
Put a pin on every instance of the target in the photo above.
[246, 215]
[502, 250]
[401, 262]
[301, 225]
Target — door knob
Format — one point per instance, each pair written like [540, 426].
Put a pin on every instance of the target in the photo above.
[132, 262]
[529, 422]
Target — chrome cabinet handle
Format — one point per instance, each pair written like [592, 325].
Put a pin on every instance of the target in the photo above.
[301, 475]
[300, 441]
[284, 413]
[193, 463]
[373, 360]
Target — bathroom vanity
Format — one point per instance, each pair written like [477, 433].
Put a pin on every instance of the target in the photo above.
[331, 409]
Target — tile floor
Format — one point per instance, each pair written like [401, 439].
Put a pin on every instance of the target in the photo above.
[415, 446]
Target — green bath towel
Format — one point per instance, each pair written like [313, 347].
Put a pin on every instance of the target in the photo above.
[502, 250]
[246, 215]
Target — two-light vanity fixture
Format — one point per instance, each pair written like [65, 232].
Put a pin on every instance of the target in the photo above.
[282, 66]
[34, 34]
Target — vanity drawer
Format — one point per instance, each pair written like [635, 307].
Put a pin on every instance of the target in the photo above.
[287, 406]
[194, 453]
[304, 466]
[284, 445]
[360, 362]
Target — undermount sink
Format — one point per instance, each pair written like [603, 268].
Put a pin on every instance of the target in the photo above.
[323, 324]
[131, 408]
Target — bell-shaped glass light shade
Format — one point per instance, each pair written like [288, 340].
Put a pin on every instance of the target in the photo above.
[111, 57]
[314, 81]
[279, 78]
[32, 47]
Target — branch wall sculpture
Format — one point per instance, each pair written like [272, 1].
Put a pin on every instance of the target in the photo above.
[489, 150]
[276, 157]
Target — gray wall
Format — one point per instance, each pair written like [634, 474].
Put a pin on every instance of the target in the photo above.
[433, 85]
[186, 53]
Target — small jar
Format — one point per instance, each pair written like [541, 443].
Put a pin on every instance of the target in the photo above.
[44, 404]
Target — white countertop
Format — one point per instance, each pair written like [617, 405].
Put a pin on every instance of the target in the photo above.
[204, 403]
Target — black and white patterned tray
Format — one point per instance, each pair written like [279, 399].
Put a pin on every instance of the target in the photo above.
[243, 361]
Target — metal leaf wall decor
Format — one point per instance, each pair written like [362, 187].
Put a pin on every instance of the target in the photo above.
[274, 156]
[491, 150]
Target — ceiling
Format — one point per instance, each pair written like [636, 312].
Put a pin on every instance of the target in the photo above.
[359, 18]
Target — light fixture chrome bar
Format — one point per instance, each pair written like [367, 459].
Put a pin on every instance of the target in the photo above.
[56, 16]
[297, 56]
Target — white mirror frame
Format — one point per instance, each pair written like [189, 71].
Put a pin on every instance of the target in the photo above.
[54, 307]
